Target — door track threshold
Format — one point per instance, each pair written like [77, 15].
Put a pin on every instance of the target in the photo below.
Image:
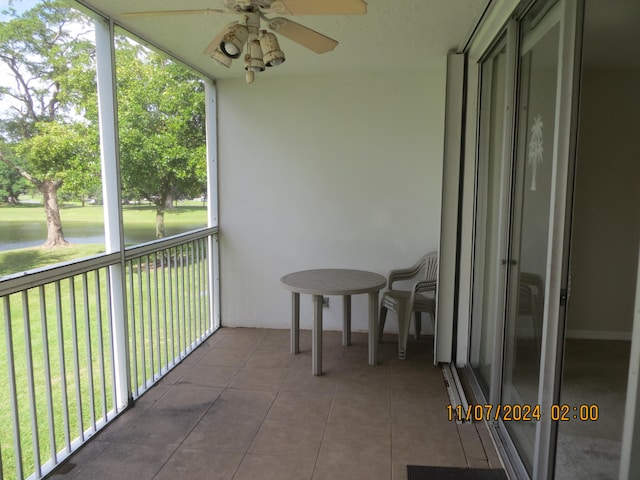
[457, 397]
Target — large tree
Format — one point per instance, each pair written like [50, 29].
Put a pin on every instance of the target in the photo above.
[50, 87]
[161, 117]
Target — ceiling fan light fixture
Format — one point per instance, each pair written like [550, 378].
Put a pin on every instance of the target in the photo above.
[234, 39]
[221, 58]
[253, 59]
[273, 56]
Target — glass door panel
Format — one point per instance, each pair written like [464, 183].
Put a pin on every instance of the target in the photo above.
[600, 314]
[488, 273]
[527, 259]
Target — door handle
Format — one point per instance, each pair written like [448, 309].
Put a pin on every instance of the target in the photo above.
[510, 262]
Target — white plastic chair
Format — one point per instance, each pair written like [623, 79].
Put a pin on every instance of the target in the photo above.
[421, 298]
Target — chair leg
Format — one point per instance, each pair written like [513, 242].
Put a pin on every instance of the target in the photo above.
[383, 318]
[418, 324]
[404, 321]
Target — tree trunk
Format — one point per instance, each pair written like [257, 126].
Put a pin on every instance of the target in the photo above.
[160, 219]
[171, 197]
[49, 190]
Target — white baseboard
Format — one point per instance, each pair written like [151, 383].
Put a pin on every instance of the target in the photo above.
[598, 335]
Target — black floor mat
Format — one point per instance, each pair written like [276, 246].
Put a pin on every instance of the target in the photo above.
[415, 472]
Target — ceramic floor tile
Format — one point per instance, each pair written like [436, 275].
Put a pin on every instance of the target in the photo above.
[243, 403]
[281, 437]
[280, 340]
[243, 407]
[301, 407]
[225, 358]
[419, 387]
[151, 396]
[413, 412]
[335, 466]
[122, 422]
[187, 399]
[269, 359]
[332, 339]
[331, 360]
[240, 341]
[302, 380]
[155, 427]
[360, 409]
[176, 372]
[209, 375]
[195, 355]
[126, 461]
[423, 367]
[70, 468]
[365, 380]
[275, 467]
[259, 378]
[357, 354]
[422, 446]
[223, 433]
[191, 463]
[353, 440]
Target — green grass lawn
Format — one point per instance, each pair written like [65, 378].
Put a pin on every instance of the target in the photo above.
[187, 216]
[22, 259]
[186, 213]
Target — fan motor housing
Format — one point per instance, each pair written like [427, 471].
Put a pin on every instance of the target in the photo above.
[247, 5]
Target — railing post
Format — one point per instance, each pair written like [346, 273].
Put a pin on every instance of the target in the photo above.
[114, 240]
[211, 106]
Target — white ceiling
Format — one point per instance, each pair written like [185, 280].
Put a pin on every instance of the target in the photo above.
[402, 35]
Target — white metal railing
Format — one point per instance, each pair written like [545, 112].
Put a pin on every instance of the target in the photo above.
[60, 351]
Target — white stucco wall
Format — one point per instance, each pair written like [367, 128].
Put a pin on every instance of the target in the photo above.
[332, 171]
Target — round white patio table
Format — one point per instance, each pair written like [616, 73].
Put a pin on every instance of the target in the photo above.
[333, 281]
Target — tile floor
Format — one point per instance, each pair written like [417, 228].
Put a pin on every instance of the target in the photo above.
[242, 407]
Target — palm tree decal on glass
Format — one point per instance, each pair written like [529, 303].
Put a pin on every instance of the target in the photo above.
[536, 149]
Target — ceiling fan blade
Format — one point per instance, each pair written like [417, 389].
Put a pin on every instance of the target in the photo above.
[319, 7]
[158, 13]
[302, 35]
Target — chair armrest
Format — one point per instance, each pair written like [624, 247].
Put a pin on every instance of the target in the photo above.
[421, 287]
[404, 273]
[425, 286]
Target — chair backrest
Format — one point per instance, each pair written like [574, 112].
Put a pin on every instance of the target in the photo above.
[425, 269]
[430, 266]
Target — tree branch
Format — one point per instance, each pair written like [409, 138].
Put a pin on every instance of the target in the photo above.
[21, 171]
[12, 63]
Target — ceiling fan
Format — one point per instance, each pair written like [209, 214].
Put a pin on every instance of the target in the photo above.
[262, 47]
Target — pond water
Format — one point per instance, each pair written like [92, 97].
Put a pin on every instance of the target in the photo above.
[32, 234]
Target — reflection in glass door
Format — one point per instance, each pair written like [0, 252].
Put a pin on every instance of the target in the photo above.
[528, 250]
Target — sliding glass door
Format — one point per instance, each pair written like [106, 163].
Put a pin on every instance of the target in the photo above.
[526, 135]
[530, 220]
